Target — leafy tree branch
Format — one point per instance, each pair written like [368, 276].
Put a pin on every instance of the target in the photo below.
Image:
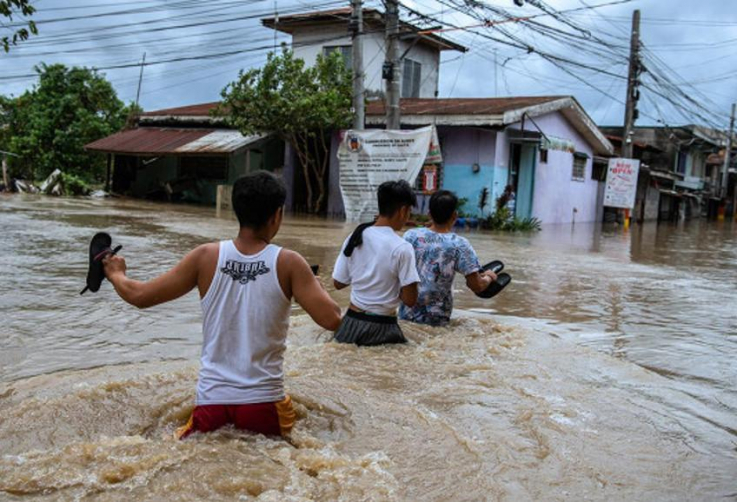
[301, 105]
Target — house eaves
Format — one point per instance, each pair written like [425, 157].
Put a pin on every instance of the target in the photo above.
[371, 17]
[511, 112]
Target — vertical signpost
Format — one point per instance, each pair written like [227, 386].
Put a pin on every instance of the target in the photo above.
[621, 185]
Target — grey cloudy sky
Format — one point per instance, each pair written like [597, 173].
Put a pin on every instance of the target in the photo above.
[692, 42]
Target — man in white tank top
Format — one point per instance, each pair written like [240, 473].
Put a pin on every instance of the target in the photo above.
[246, 286]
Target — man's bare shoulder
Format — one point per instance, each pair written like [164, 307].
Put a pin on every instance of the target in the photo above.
[206, 253]
[290, 258]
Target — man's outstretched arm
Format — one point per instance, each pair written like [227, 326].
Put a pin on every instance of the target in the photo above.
[177, 282]
[309, 293]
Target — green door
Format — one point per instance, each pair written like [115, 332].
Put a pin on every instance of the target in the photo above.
[522, 176]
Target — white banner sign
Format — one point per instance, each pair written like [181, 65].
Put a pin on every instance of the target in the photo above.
[369, 158]
[621, 183]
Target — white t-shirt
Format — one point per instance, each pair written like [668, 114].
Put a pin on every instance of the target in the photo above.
[377, 270]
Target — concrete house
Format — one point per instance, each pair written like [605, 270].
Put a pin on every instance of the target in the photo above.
[326, 31]
[542, 146]
[678, 177]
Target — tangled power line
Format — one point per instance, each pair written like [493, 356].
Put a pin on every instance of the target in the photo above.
[188, 40]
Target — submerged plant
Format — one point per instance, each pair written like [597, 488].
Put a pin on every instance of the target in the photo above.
[503, 219]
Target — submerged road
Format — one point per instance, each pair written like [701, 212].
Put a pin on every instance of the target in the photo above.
[603, 332]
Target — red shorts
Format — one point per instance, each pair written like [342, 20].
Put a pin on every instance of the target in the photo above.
[270, 419]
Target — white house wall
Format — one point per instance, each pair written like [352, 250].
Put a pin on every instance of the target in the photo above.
[308, 44]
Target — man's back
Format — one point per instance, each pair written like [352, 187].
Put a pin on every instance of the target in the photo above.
[245, 323]
[377, 270]
[439, 256]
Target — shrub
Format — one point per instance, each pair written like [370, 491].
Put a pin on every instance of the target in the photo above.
[502, 219]
[74, 185]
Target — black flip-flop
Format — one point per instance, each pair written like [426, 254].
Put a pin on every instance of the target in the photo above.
[99, 249]
[502, 280]
[495, 266]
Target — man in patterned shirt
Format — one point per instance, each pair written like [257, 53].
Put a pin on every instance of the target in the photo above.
[440, 253]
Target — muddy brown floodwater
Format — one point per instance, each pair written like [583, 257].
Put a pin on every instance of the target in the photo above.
[605, 372]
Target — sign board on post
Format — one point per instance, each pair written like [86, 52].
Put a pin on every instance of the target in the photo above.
[369, 158]
[429, 179]
[621, 183]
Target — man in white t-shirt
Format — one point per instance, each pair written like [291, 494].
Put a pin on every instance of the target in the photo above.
[380, 267]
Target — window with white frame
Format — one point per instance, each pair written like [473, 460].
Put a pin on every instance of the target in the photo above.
[345, 50]
[411, 78]
[579, 166]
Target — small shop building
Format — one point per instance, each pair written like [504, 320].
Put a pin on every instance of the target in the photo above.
[184, 154]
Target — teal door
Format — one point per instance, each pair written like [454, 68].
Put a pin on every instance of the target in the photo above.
[522, 176]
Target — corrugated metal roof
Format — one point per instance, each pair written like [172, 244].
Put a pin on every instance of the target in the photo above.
[162, 140]
[460, 106]
[409, 106]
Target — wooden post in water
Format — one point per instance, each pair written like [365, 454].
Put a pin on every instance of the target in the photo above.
[109, 173]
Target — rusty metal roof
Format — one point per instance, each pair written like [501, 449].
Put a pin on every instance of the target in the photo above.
[171, 141]
[460, 106]
[492, 112]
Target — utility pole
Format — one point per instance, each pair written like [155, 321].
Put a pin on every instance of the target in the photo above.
[727, 155]
[496, 80]
[630, 111]
[140, 79]
[391, 70]
[356, 27]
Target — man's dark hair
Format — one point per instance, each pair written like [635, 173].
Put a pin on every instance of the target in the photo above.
[393, 195]
[256, 197]
[443, 204]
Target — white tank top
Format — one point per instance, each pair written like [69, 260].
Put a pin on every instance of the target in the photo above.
[245, 323]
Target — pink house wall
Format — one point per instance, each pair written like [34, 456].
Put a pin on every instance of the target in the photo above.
[556, 194]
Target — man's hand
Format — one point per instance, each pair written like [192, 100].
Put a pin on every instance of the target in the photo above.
[479, 281]
[490, 274]
[114, 265]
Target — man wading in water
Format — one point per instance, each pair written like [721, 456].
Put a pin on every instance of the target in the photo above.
[380, 268]
[246, 286]
[440, 254]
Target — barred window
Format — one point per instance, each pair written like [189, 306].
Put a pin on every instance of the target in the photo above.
[411, 79]
[579, 166]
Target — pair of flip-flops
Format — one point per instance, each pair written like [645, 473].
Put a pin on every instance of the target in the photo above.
[502, 279]
[100, 247]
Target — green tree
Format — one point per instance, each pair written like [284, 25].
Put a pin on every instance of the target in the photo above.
[22, 8]
[302, 105]
[48, 125]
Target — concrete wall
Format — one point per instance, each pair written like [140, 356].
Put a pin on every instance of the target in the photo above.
[556, 193]
[463, 147]
[308, 44]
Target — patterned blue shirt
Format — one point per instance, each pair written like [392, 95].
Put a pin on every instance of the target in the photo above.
[439, 257]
